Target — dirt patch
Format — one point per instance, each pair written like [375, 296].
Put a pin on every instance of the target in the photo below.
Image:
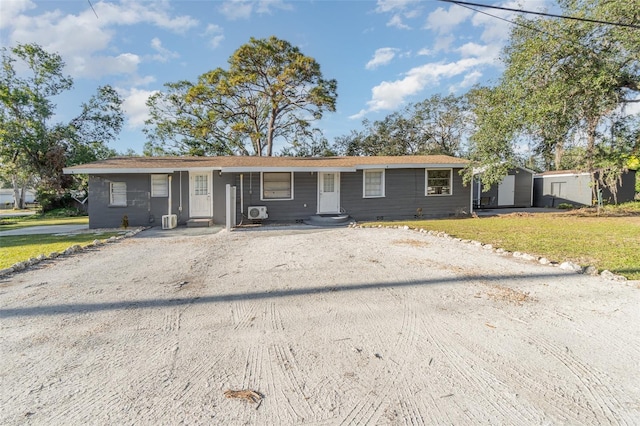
[507, 294]
[338, 326]
[411, 242]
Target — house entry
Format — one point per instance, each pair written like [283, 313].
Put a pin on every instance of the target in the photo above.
[329, 192]
[200, 190]
[507, 191]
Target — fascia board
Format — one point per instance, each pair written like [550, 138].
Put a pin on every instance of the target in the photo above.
[410, 166]
[134, 170]
[285, 169]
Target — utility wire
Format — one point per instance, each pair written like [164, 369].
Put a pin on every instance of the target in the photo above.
[94, 11]
[595, 21]
[466, 5]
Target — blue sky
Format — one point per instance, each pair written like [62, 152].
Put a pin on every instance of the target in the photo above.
[383, 54]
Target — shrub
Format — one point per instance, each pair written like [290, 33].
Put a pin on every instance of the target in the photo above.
[566, 206]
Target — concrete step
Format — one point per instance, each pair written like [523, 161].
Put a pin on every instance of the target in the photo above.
[200, 222]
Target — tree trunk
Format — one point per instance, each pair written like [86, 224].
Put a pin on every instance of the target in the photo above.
[18, 198]
[559, 152]
[592, 134]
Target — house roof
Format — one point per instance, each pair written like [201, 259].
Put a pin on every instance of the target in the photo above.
[558, 173]
[257, 164]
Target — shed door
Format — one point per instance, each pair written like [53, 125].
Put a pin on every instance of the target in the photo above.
[329, 192]
[507, 191]
[200, 203]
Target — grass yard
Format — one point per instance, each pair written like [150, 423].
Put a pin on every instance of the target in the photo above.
[7, 223]
[14, 249]
[611, 243]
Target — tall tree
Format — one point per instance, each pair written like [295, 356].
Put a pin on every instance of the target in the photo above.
[564, 84]
[437, 125]
[30, 142]
[270, 92]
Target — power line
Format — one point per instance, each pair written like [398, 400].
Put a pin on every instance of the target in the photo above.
[551, 15]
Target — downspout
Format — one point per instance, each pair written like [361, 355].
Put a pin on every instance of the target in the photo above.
[241, 194]
[532, 180]
[169, 206]
[180, 206]
[471, 197]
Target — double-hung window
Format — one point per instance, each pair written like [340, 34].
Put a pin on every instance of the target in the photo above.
[277, 186]
[373, 183]
[159, 185]
[118, 194]
[439, 181]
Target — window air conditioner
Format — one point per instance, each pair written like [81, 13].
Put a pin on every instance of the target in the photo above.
[169, 221]
[257, 212]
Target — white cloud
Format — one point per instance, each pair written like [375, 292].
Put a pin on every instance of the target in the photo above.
[83, 40]
[424, 52]
[11, 9]
[215, 32]
[498, 30]
[129, 12]
[488, 53]
[237, 9]
[469, 80]
[443, 21]
[243, 9]
[96, 67]
[265, 6]
[389, 95]
[135, 107]
[396, 21]
[384, 6]
[163, 54]
[381, 56]
[443, 43]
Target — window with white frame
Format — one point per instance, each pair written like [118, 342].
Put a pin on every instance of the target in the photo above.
[118, 194]
[277, 186]
[159, 185]
[439, 181]
[373, 183]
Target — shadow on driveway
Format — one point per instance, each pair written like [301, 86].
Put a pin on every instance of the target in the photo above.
[64, 309]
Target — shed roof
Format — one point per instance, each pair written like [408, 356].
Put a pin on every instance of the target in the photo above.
[251, 164]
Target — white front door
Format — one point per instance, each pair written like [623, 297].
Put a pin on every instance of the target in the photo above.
[200, 192]
[329, 192]
[507, 191]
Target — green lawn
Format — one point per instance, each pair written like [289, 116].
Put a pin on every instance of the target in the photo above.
[7, 223]
[19, 248]
[611, 243]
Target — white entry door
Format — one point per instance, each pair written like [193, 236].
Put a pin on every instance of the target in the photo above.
[200, 191]
[507, 191]
[329, 192]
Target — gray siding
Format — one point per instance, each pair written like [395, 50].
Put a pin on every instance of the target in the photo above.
[522, 191]
[303, 205]
[574, 189]
[141, 208]
[626, 190]
[404, 195]
[577, 190]
[219, 196]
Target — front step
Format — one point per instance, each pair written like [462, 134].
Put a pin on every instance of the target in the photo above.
[200, 222]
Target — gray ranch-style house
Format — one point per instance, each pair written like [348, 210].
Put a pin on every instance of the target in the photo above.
[152, 191]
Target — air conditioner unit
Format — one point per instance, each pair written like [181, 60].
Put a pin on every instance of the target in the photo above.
[169, 221]
[257, 212]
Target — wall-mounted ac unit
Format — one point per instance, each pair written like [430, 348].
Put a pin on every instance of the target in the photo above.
[257, 212]
[169, 221]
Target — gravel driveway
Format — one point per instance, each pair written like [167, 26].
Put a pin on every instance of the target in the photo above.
[326, 326]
